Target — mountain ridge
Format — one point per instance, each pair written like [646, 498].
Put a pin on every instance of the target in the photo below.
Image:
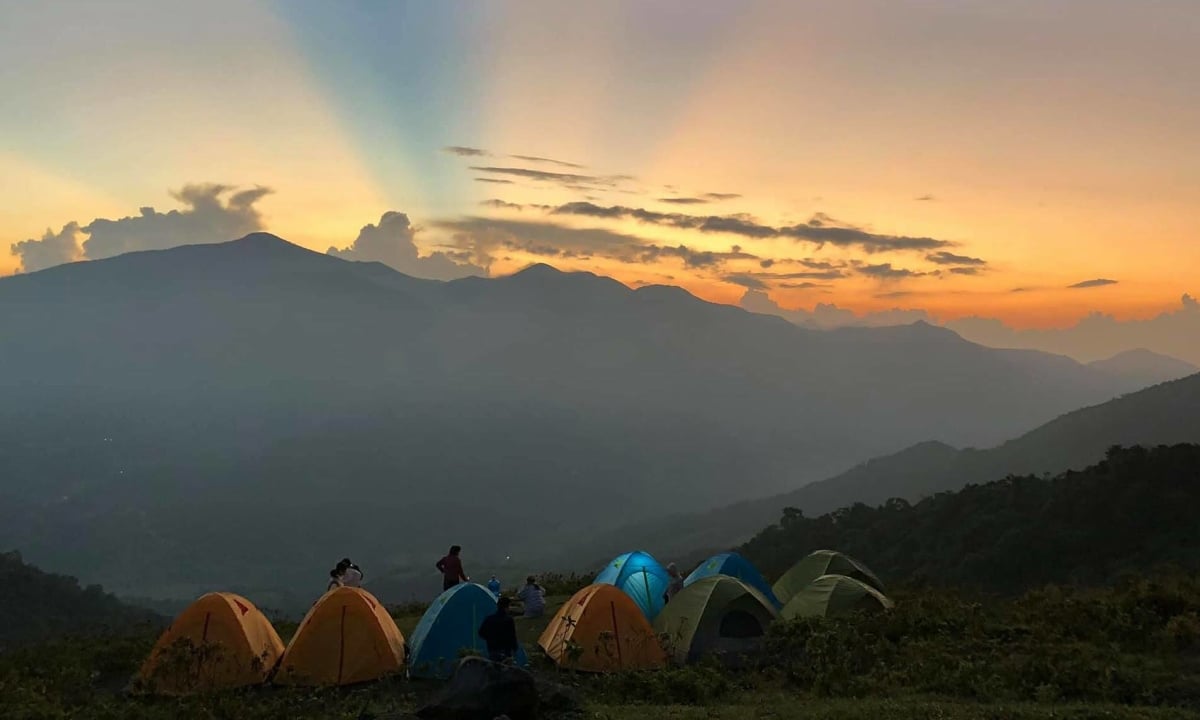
[150, 393]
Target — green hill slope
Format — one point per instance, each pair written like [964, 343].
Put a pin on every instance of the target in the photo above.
[1134, 510]
[1165, 414]
[37, 606]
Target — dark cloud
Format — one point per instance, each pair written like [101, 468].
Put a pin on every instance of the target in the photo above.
[502, 204]
[1098, 282]
[212, 213]
[949, 258]
[885, 271]
[52, 249]
[817, 230]
[684, 201]
[972, 270]
[804, 285]
[571, 180]
[484, 238]
[463, 151]
[548, 161]
[494, 180]
[926, 198]
[745, 280]
[805, 275]
[701, 200]
[392, 242]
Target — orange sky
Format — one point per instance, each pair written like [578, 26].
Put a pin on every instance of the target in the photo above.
[1055, 142]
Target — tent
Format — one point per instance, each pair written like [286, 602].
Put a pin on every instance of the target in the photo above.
[219, 641]
[346, 637]
[734, 565]
[831, 595]
[641, 577]
[714, 614]
[449, 626]
[822, 562]
[601, 629]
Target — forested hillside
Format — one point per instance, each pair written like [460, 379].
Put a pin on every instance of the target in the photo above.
[1134, 510]
[36, 606]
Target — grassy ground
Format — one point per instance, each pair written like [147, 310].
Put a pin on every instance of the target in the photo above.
[1047, 655]
[791, 707]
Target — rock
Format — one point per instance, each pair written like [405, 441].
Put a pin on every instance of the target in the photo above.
[483, 690]
[557, 701]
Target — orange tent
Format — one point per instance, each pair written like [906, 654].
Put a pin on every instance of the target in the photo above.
[219, 641]
[602, 629]
[347, 637]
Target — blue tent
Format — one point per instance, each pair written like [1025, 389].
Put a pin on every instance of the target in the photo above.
[734, 565]
[641, 577]
[450, 626]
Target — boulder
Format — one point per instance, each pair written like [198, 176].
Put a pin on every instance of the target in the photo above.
[558, 701]
[480, 689]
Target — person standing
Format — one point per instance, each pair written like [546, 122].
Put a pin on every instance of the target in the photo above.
[500, 633]
[452, 569]
[676, 583]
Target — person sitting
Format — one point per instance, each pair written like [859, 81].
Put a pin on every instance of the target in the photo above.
[500, 633]
[335, 579]
[494, 586]
[534, 597]
[352, 575]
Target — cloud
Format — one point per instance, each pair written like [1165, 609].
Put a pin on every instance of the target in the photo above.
[1098, 282]
[825, 316]
[817, 230]
[548, 161]
[949, 258]
[483, 238]
[502, 204]
[567, 179]
[966, 270]
[805, 275]
[745, 280]
[702, 200]
[212, 213]
[494, 180]
[463, 151]
[684, 201]
[885, 271]
[206, 219]
[392, 242]
[1175, 332]
[925, 198]
[52, 249]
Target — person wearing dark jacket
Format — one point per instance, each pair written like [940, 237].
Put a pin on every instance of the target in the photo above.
[499, 631]
[452, 569]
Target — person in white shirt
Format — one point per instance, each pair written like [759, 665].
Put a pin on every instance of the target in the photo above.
[352, 574]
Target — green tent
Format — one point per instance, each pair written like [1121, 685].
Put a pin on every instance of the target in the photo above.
[822, 562]
[716, 614]
[831, 595]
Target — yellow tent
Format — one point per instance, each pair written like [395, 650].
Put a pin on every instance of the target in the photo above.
[347, 637]
[602, 629]
[219, 641]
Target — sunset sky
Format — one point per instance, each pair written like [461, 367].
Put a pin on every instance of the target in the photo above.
[1027, 161]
